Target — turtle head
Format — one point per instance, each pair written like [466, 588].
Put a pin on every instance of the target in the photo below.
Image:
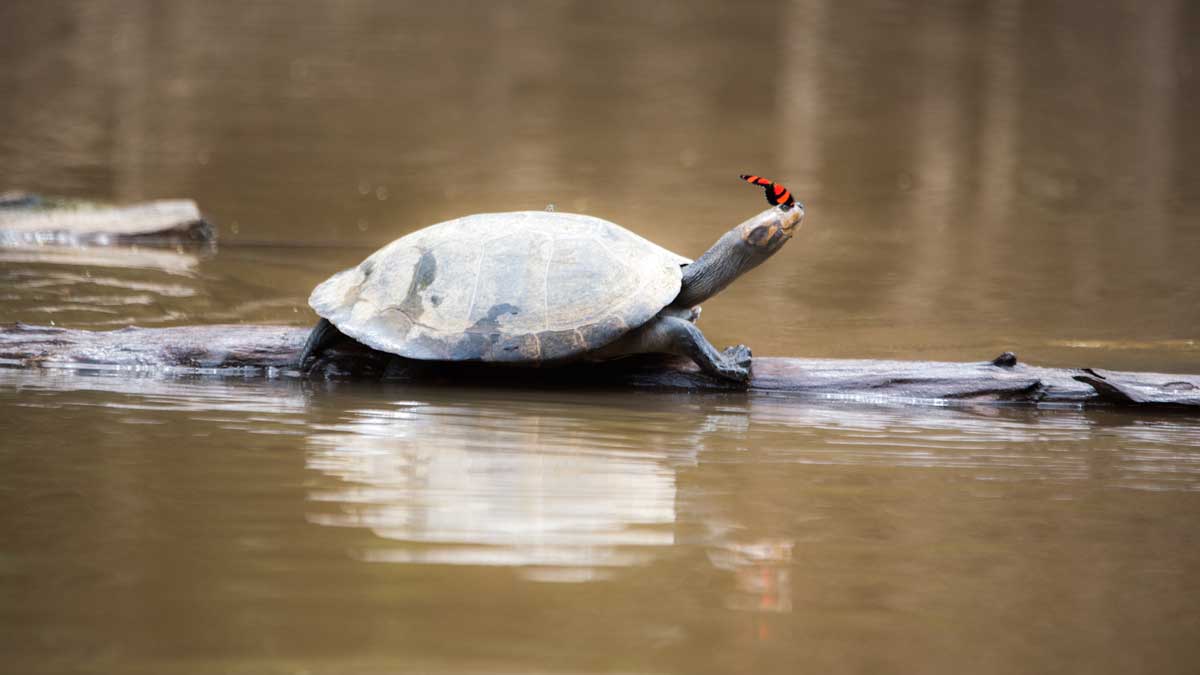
[741, 249]
[768, 231]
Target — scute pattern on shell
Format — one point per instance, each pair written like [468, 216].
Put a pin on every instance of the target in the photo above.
[528, 286]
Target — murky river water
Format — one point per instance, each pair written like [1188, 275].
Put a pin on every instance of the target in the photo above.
[979, 177]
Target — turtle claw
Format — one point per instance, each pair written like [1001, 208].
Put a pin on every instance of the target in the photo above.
[739, 354]
[736, 364]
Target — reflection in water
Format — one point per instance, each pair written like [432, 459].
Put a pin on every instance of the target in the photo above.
[116, 395]
[554, 493]
[994, 444]
[214, 516]
[96, 287]
[103, 288]
[762, 574]
[173, 262]
[464, 485]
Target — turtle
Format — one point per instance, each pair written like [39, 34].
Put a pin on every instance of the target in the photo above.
[538, 288]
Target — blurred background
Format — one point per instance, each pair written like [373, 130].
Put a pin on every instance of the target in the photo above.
[979, 175]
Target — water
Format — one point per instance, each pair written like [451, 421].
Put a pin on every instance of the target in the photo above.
[979, 177]
[219, 526]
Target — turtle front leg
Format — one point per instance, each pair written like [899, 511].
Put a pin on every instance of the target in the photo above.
[666, 334]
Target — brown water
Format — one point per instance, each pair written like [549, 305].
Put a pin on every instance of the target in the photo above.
[978, 176]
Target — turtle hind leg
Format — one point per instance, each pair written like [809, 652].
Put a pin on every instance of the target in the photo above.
[322, 335]
[673, 335]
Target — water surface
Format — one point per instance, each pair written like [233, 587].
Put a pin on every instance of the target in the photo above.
[219, 526]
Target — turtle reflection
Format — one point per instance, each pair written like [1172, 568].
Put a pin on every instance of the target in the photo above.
[474, 485]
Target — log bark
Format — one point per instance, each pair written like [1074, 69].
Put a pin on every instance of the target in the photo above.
[27, 219]
[248, 350]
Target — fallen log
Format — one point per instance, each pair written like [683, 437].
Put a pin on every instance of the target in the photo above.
[27, 219]
[248, 350]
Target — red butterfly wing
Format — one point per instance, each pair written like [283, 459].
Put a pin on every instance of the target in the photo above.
[777, 195]
[756, 180]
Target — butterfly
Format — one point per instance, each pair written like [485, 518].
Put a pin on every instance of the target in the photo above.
[777, 195]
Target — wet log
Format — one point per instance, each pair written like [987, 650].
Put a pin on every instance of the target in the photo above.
[250, 350]
[27, 219]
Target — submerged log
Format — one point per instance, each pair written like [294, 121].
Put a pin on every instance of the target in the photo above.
[32, 219]
[274, 350]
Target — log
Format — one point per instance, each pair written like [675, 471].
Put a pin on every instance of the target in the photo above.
[28, 219]
[272, 351]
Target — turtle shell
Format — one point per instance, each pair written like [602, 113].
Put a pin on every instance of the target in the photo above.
[528, 286]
